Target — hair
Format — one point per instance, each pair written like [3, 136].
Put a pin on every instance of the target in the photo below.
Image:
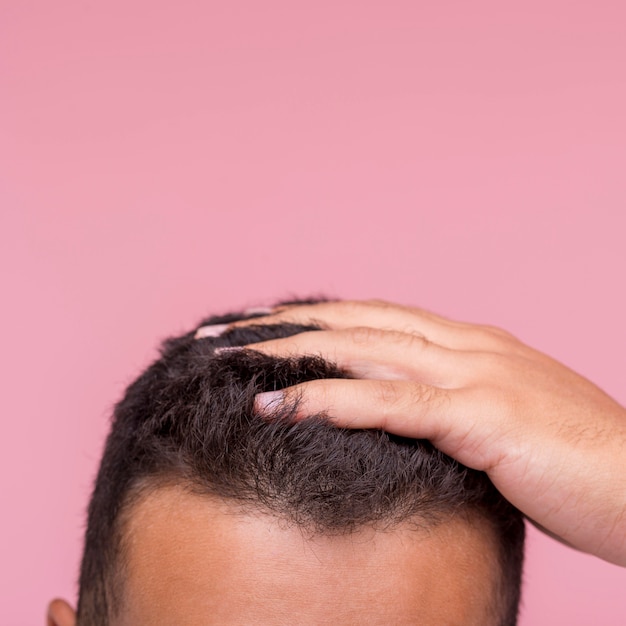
[189, 420]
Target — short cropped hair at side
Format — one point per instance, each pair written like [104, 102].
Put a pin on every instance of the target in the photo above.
[189, 420]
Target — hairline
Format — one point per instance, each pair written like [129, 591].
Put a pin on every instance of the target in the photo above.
[181, 473]
[117, 574]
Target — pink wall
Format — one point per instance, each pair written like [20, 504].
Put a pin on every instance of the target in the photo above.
[160, 160]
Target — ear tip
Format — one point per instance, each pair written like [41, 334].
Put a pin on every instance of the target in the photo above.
[60, 613]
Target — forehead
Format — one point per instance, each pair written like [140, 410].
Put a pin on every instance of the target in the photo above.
[200, 561]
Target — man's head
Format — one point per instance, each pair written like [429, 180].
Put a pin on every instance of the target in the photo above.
[204, 513]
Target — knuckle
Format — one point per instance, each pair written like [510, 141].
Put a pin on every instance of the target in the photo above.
[492, 363]
[388, 394]
[414, 341]
[365, 335]
[491, 333]
[422, 394]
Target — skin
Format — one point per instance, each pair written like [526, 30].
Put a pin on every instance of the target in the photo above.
[200, 561]
[552, 442]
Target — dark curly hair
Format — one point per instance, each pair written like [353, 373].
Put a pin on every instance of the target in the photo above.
[189, 420]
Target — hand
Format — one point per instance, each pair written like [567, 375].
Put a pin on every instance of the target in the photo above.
[553, 443]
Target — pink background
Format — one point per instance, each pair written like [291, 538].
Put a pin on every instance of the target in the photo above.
[162, 160]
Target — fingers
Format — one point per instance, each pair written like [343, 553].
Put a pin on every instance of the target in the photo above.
[350, 314]
[383, 316]
[453, 420]
[399, 407]
[378, 355]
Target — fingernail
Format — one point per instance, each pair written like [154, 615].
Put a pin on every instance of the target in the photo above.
[258, 310]
[268, 401]
[228, 349]
[214, 330]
